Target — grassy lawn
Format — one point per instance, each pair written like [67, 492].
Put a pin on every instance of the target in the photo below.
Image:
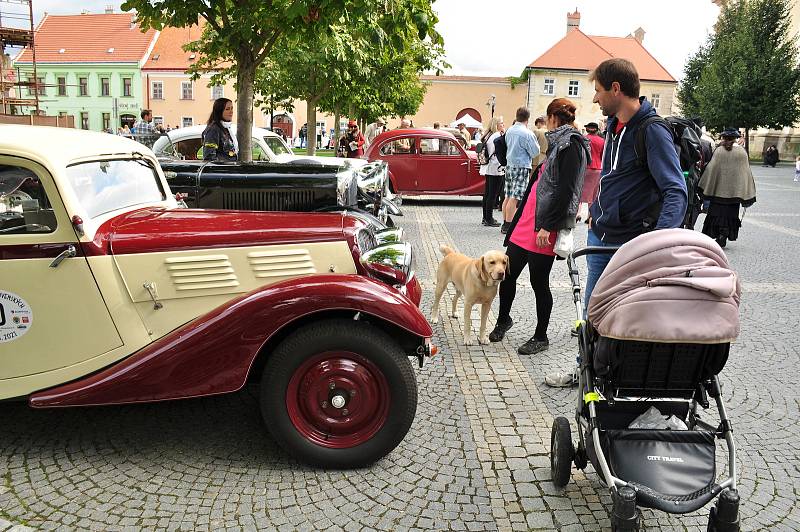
[321, 153]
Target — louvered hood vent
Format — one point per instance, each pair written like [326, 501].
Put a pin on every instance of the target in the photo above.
[268, 200]
[280, 263]
[201, 272]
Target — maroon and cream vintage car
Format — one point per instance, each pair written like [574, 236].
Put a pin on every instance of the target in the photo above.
[111, 294]
[427, 161]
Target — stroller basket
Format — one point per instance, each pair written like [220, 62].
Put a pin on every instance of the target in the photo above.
[652, 369]
[676, 467]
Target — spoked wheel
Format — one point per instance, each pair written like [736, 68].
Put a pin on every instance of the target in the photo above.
[561, 452]
[338, 393]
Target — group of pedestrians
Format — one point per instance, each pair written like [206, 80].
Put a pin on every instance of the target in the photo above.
[626, 198]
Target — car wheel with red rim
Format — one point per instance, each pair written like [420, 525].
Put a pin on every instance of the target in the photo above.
[338, 394]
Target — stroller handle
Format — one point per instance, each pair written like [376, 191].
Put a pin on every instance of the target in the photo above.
[593, 250]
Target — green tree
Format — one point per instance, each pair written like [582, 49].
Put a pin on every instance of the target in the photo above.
[687, 90]
[240, 35]
[362, 65]
[747, 75]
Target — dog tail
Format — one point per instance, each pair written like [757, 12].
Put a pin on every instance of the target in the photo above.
[446, 250]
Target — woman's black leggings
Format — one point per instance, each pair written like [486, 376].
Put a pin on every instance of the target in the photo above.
[539, 266]
[493, 183]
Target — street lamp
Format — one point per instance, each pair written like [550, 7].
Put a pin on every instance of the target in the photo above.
[490, 103]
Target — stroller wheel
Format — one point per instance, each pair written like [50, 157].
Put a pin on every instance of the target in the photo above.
[561, 452]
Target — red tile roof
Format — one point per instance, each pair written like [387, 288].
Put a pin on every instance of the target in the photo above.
[88, 39]
[578, 51]
[168, 53]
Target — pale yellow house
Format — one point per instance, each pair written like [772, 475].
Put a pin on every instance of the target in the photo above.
[563, 71]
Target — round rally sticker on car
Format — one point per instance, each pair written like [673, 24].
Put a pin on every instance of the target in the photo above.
[16, 316]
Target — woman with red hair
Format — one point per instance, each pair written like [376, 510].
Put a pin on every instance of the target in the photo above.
[549, 205]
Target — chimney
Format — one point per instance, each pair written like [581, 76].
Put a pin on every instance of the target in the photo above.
[639, 35]
[109, 9]
[133, 20]
[573, 20]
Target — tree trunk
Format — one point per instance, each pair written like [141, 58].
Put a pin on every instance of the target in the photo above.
[747, 141]
[311, 115]
[337, 130]
[245, 76]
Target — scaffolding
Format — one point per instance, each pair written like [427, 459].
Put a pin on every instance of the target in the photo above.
[17, 31]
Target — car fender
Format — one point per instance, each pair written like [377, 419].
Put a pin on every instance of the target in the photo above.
[213, 353]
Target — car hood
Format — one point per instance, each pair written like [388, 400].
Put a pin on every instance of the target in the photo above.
[159, 229]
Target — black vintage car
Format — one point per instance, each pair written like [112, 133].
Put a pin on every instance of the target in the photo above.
[282, 182]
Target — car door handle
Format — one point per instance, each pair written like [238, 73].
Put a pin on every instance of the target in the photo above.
[66, 254]
[465, 164]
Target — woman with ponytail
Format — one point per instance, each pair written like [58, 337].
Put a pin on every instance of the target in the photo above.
[549, 205]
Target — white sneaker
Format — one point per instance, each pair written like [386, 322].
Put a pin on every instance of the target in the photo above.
[561, 379]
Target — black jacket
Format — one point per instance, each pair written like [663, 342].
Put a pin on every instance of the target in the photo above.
[218, 144]
[569, 162]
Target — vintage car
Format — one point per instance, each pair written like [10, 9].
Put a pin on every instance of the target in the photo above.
[110, 294]
[427, 161]
[276, 180]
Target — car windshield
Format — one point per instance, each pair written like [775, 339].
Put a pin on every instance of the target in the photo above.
[276, 145]
[105, 186]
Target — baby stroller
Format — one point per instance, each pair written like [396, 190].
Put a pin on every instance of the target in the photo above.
[661, 320]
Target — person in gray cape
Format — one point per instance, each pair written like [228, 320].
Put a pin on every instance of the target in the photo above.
[727, 183]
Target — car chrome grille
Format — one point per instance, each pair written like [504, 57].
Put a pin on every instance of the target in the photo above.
[280, 263]
[201, 272]
[366, 240]
[268, 200]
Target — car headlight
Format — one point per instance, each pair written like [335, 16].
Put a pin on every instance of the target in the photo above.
[372, 177]
[391, 263]
[390, 235]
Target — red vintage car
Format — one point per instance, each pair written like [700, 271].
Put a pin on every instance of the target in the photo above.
[427, 161]
[111, 294]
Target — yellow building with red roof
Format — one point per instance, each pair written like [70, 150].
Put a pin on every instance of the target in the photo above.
[563, 71]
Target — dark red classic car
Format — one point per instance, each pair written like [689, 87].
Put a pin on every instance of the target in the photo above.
[427, 161]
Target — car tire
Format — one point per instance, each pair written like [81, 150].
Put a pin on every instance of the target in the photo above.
[561, 452]
[338, 394]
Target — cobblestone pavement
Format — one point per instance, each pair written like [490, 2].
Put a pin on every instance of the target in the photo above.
[476, 457]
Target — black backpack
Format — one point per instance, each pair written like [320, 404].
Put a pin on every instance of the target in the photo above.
[686, 138]
[500, 149]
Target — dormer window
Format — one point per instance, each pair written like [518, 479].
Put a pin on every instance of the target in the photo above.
[61, 51]
[111, 50]
[191, 56]
[156, 56]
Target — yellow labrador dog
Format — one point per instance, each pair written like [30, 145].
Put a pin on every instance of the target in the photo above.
[477, 279]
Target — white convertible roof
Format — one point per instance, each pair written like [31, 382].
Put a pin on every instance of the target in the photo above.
[60, 146]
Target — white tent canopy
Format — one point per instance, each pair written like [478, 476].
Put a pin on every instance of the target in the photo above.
[468, 121]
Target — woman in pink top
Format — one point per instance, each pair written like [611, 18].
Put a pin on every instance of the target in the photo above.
[549, 205]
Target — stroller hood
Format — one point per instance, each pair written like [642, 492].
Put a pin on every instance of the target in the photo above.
[671, 285]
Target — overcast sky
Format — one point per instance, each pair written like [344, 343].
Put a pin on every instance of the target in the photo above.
[501, 37]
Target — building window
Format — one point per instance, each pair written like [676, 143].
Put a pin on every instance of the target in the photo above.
[126, 86]
[655, 100]
[574, 87]
[187, 91]
[217, 91]
[62, 86]
[106, 121]
[549, 86]
[187, 121]
[157, 90]
[158, 120]
[83, 86]
[84, 120]
[40, 87]
[105, 87]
